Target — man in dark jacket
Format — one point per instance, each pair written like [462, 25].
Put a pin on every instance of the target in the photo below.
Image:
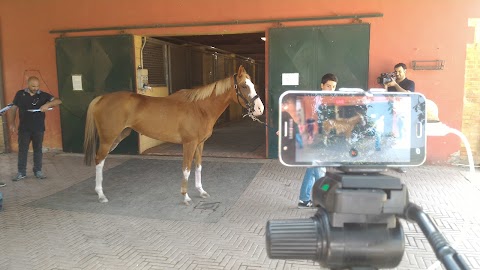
[32, 103]
[400, 84]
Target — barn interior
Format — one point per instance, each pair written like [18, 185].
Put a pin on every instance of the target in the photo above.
[186, 62]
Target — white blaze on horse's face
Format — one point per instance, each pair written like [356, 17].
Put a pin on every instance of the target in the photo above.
[258, 105]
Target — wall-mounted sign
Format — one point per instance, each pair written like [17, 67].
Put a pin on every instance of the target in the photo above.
[77, 82]
[290, 78]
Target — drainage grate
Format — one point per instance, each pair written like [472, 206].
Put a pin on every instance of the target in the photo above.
[207, 205]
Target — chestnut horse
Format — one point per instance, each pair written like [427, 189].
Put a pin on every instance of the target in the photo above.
[342, 125]
[186, 117]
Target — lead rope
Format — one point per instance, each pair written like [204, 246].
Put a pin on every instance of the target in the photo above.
[248, 104]
[255, 119]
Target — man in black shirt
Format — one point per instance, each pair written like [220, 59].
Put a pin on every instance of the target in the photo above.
[401, 83]
[31, 125]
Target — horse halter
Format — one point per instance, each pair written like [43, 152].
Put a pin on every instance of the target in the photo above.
[248, 103]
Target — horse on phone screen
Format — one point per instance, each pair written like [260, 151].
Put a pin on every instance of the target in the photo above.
[186, 117]
[342, 125]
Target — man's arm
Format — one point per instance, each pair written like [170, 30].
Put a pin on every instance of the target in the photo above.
[397, 87]
[11, 114]
[50, 104]
[409, 88]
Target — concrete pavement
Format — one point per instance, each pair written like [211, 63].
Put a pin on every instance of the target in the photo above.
[41, 238]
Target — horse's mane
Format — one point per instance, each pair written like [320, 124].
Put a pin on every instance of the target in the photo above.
[203, 92]
[351, 120]
[357, 117]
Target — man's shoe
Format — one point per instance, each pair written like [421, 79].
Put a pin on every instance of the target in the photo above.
[19, 177]
[400, 170]
[2, 184]
[305, 204]
[40, 175]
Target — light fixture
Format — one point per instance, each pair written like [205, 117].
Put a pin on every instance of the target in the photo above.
[263, 38]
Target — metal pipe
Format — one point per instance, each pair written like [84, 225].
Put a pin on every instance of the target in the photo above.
[195, 24]
[6, 131]
[144, 41]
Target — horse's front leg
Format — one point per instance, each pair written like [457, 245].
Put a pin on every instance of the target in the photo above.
[99, 180]
[348, 137]
[198, 171]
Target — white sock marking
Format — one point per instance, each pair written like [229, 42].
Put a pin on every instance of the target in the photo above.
[186, 174]
[198, 179]
[99, 180]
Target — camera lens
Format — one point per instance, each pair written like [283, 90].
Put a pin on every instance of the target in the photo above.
[352, 245]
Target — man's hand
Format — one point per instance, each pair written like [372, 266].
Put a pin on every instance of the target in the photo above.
[44, 108]
[398, 88]
[11, 119]
[390, 84]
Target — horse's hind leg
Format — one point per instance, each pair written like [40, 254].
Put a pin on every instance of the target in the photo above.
[102, 153]
[120, 137]
[326, 131]
[100, 161]
[188, 152]
[99, 180]
[198, 171]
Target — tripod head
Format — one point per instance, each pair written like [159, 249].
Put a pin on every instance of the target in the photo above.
[357, 224]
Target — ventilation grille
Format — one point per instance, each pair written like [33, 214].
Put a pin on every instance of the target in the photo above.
[154, 61]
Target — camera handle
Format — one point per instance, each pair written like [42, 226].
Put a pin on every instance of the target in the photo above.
[356, 226]
[397, 204]
[445, 253]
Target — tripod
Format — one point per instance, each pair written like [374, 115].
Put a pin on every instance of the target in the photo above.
[357, 224]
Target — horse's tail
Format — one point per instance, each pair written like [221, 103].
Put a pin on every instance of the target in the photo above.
[91, 136]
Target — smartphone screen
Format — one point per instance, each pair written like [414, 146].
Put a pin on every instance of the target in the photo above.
[328, 128]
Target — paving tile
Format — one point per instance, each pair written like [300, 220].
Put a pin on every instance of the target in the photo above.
[37, 238]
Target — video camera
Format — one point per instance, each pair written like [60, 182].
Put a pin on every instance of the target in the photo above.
[385, 78]
[357, 223]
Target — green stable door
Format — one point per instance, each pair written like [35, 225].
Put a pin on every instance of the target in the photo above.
[311, 52]
[88, 67]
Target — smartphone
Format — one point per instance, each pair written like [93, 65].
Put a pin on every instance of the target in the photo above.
[331, 128]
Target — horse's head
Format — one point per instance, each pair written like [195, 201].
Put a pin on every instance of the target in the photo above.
[247, 97]
[362, 119]
[359, 119]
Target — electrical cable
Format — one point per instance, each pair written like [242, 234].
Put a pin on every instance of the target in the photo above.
[439, 129]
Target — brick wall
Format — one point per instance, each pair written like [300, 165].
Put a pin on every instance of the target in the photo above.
[471, 109]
